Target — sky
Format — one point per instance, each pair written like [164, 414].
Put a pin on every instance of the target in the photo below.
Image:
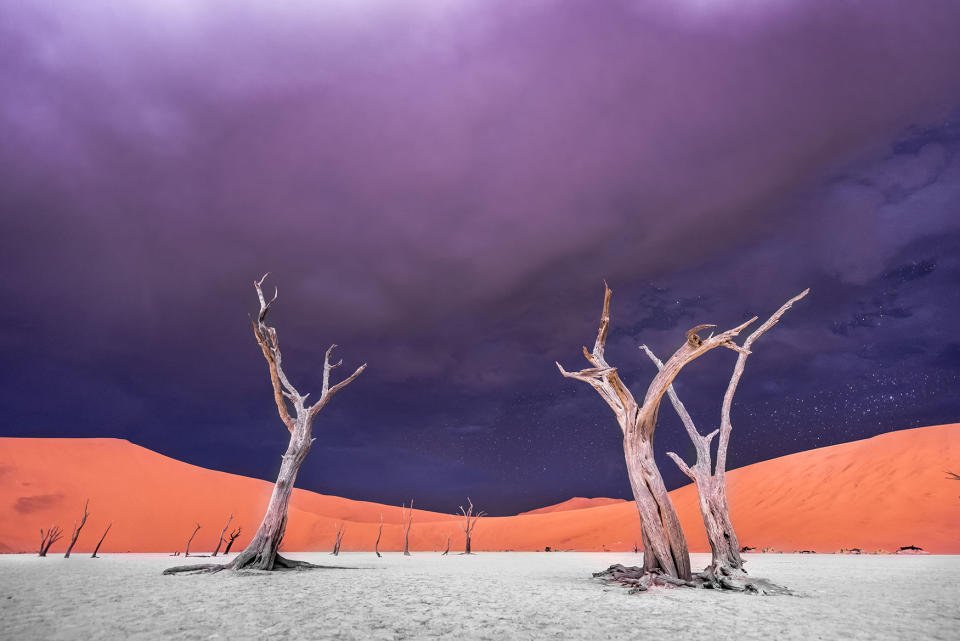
[441, 188]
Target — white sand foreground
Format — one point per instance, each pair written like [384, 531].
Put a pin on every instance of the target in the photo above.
[485, 596]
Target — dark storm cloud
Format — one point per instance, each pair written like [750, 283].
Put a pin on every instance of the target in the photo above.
[441, 187]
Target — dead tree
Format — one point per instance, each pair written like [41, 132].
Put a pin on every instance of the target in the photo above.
[261, 553]
[76, 530]
[341, 528]
[187, 553]
[222, 532]
[447, 551]
[376, 546]
[470, 522]
[726, 567]
[52, 535]
[233, 537]
[100, 542]
[406, 516]
[953, 477]
[664, 545]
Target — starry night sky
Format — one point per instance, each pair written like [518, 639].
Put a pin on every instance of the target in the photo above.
[441, 189]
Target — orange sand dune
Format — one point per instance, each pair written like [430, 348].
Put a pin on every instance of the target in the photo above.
[882, 492]
[576, 503]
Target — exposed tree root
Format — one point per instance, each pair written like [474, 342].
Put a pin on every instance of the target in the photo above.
[249, 563]
[640, 580]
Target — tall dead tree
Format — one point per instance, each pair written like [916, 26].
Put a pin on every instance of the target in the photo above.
[726, 567]
[262, 551]
[222, 533]
[447, 551]
[665, 551]
[470, 522]
[233, 537]
[100, 542]
[406, 516]
[340, 529]
[190, 540]
[76, 530]
[376, 546]
[48, 538]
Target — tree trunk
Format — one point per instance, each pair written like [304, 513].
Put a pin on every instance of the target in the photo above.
[233, 537]
[190, 540]
[261, 553]
[376, 546]
[100, 542]
[664, 545]
[222, 532]
[76, 530]
[447, 551]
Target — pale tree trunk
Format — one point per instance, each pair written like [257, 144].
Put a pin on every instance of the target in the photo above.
[726, 567]
[100, 542]
[376, 546]
[76, 530]
[470, 522]
[190, 540]
[407, 523]
[664, 545]
[222, 533]
[262, 551]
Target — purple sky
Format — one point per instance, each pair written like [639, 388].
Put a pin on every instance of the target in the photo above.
[440, 188]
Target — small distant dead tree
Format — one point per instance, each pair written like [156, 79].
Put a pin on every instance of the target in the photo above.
[76, 530]
[187, 553]
[666, 558]
[48, 538]
[262, 551]
[341, 528]
[222, 533]
[953, 477]
[376, 546]
[233, 537]
[470, 522]
[447, 551]
[726, 567]
[406, 516]
[100, 542]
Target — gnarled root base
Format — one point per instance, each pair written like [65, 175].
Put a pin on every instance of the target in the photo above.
[640, 580]
[248, 563]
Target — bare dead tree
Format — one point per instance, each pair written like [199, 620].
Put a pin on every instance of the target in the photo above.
[726, 567]
[341, 528]
[100, 542]
[76, 530]
[262, 551]
[406, 516]
[470, 522]
[222, 533]
[376, 546]
[187, 553]
[665, 551]
[953, 477]
[447, 551]
[233, 537]
[52, 535]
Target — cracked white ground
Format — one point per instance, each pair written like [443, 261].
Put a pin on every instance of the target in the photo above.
[513, 595]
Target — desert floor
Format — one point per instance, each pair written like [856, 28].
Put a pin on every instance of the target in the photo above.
[485, 596]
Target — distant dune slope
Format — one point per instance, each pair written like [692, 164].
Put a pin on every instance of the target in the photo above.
[576, 503]
[882, 492]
